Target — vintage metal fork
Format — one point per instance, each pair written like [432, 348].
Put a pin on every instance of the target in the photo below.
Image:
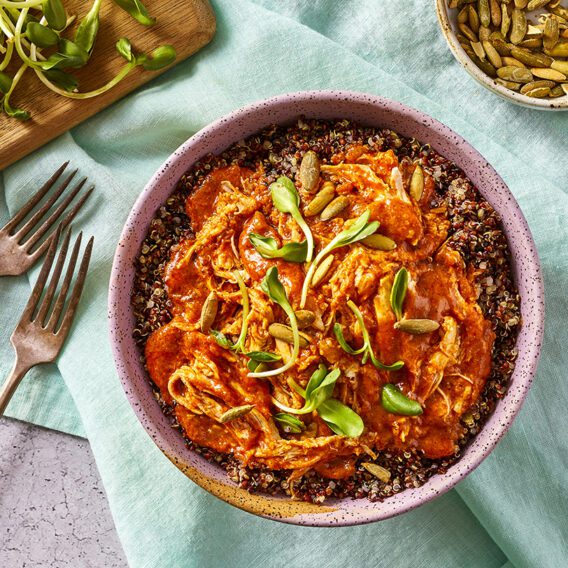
[45, 323]
[17, 254]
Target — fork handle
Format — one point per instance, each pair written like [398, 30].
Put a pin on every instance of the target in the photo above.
[11, 383]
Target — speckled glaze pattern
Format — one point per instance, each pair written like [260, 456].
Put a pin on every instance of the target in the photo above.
[369, 110]
[448, 25]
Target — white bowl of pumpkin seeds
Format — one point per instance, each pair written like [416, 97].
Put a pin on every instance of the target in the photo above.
[518, 49]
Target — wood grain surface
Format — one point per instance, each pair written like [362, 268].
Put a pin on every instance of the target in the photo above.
[188, 25]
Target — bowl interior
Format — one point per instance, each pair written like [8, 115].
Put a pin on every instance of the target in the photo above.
[369, 110]
[449, 25]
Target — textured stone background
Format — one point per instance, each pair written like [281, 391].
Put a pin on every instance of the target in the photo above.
[53, 510]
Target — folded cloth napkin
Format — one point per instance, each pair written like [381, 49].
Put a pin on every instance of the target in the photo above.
[512, 510]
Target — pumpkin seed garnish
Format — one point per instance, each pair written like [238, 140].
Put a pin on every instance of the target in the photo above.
[495, 9]
[492, 54]
[561, 66]
[556, 92]
[518, 26]
[559, 50]
[515, 74]
[536, 85]
[512, 62]
[538, 92]
[309, 171]
[285, 333]
[417, 183]
[551, 33]
[484, 12]
[508, 84]
[234, 413]
[321, 200]
[378, 471]
[536, 4]
[305, 318]
[467, 32]
[505, 20]
[335, 207]
[322, 270]
[549, 74]
[478, 49]
[529, 58]
[208, 312]
[379, 242]
[473, 19]
[416, 326]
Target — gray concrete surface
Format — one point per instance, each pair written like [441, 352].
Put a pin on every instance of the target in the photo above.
[53, 510]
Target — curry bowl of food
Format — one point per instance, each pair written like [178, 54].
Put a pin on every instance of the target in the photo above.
[326, 308]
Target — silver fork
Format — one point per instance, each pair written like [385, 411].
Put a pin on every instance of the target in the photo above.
[41, 332]
[17, 254]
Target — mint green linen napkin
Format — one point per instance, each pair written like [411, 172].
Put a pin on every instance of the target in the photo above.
[512, 511]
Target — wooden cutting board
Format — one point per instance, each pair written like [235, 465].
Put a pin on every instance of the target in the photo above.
[188, 25]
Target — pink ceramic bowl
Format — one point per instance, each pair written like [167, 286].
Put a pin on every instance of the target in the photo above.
[370, 110]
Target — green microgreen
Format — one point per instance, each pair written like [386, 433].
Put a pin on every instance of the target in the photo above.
[274, 289]
[319, 390]
[366, 349]
[220, 337]
[137, 10]
[267, 247]
[359, 230]
[289, 423]
[88, 28]
[394, 401]
[287, 200]
[398, 292]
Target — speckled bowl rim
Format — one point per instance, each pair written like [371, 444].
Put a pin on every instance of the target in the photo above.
[463, 59]
[370, 110]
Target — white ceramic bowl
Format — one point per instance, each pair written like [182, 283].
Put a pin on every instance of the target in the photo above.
[449, 26]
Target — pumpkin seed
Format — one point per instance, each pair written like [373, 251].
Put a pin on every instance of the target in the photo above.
[533, 31]
[484, 33]
[549, 74]
[521, 4]
[305, 318]
[484, 12]
[558, 91]
[322, 269]
[492, 54]
[485, 66]
[559, 50]
[558, 11]
[322, 198]
[515, 74]
[378, 471]
[208, 312]
[508, 84]
[473, 19]
[417, 184]
[532, 59]
[285, 333]
[416, 326]
[500, 45]
[478, 49]
[561, 66]
[335, 208]
[495, 9]
[505, 20]
[538, 93]
[511, 61]
[309, 171]
[531, 43]
[234, 413]
[463, 15]
[379, 242]
[535, 85]
[518, 26]
[467, 32]
[536, 4]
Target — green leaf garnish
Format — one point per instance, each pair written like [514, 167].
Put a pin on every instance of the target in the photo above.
[366, 348]
[124, 48]
[54, 13]
[263, 356]
[5, 83]
[88, 29]
[41, 35]
[137, 10]
[62, 79]
[274, 289]
[289, 423]
[398, 292]
[360, 229]
[394, 401]
[287, 200]
[221, 338]
[267, 247]
[69, 56]
[158, 59]
[341, 419]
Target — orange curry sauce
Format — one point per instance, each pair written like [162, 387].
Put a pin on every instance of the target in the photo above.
[444, 370]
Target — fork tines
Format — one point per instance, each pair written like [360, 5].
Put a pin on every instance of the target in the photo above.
[55, 312]
[59, 208]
